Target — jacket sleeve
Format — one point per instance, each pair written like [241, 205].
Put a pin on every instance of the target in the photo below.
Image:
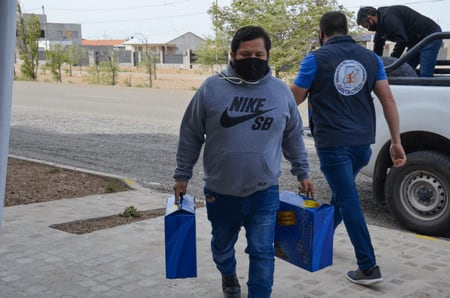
[294, 149]
[396, 32]
[191, 139]
[399, 48]
[378, 44]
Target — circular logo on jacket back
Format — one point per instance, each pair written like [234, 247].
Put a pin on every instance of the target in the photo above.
[350, 77]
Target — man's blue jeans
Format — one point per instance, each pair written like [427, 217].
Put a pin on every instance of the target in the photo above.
[340, 165]
[427, 58]
[257, 213]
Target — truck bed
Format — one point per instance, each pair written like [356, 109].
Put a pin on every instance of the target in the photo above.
[420, 81]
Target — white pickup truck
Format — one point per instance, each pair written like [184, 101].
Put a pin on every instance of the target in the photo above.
[418, 194]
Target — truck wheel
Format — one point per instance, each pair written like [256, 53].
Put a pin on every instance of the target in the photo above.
[418, 194]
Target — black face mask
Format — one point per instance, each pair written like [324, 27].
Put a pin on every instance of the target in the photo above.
[251, 69]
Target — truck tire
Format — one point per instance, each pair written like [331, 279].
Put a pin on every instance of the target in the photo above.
[404, 70]
[418, 194]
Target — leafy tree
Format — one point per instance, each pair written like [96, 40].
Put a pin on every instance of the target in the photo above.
[28, 33]
[105, 71]
[112, 68]
[149, 62]
[214, 51]
[293, 25]
[56, 57]
[75, 55]
[95, 72]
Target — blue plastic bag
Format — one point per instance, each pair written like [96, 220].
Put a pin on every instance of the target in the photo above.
[180, 238]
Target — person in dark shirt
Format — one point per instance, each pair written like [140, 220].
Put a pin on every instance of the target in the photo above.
[406, 27]
[338, 80]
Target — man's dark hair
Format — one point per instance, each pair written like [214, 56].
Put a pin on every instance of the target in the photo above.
[364, 13]
[249, 33]
[333, 23]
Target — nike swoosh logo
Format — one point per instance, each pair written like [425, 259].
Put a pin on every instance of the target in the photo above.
[227, 121]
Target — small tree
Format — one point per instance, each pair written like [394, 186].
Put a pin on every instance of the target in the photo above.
[112, 68]
[148, 58]
[214, 52]
[149, 61]
[56, 57]
[105, 70]
[75, 55]
[95, 72]
[28, 33]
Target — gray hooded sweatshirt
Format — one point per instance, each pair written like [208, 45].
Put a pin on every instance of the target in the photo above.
[245, 126]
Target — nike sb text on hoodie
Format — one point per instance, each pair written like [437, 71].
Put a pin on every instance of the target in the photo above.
[245, 129]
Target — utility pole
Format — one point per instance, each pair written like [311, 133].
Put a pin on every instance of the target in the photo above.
[45, 27]
[8, 11]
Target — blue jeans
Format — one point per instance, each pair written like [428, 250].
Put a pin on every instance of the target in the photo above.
[257, 213]
[427, 58]
[340, 165]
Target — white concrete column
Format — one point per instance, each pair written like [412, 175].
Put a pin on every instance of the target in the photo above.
[8, 12]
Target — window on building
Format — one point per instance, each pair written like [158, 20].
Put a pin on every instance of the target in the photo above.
[42, 34]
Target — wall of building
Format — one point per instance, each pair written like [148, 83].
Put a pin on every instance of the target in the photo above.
[51, 33]
[187, 41]
[129, 53]
[68, 33]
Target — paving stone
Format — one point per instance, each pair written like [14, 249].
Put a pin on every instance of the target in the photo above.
[128, 261]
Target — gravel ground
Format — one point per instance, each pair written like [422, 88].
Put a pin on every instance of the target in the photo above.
[150, 159]
[142, 149]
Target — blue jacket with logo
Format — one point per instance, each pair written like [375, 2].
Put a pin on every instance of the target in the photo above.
[245, 128]
[342, 75]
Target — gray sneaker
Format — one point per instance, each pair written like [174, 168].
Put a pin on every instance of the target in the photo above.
[365, 278]
[231, 287]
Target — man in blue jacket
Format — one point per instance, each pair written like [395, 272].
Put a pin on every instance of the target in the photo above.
[246, 119]
[339, 78]
[406, 27]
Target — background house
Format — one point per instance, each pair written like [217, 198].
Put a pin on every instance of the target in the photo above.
[101, 49]
[162, 53]
[177, 53]
[52, 33]
[187, 41]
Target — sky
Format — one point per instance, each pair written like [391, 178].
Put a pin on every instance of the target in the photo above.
[164, 20]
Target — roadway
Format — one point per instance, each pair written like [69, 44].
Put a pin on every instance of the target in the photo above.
[130, 132]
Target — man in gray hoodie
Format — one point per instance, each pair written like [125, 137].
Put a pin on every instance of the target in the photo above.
[246, 119]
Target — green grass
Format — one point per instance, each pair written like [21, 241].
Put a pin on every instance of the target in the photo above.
[115, 186]
[52, 170]
[130, 211]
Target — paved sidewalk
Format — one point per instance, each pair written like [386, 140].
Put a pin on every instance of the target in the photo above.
[128, 261]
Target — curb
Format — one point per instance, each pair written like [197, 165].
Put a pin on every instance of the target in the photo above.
[133, 184]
